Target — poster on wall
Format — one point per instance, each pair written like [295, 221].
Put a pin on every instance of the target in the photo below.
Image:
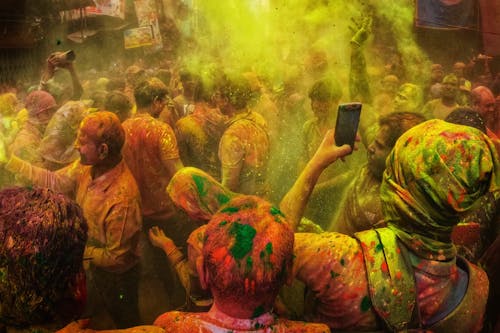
[115, 8]
[147, 15]
[137, 37]
[446, 14]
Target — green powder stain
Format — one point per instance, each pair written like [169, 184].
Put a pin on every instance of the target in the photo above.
[249, 265]
[230, 210]
[244, 235]
[334, 274]
[379, 247]
[269, 248]
[366, 304]
[258, 311]
[223, 223]
[342, 262]
[276, 211]
[222, 199]
[200, 185]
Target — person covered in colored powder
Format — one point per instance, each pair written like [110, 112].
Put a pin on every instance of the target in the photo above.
[246, 256]
[361, 208]
[104, 187]
[152, 154]
[199, 133]
[441, 107]
[413, 277]
[244, 145]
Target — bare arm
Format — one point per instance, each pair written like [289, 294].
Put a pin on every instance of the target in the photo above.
[295, 201]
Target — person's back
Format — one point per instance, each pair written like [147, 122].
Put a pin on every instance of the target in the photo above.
[246, 256]
[151, 150]
[149, 143]
[246, 140]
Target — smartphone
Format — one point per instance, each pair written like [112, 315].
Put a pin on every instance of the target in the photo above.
[347, 123]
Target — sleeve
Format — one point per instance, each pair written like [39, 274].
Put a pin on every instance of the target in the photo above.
[63, 180]
[231, 151]
[123, 225]
[168, 144]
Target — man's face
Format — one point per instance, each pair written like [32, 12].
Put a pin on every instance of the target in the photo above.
[403, 101]
[378, 151]
[322, 109]
[449, 87]
[486, 105]
[88, 148]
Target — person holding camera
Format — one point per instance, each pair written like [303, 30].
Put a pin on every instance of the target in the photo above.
[49, 81]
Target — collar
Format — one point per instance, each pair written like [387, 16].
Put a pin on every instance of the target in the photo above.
[221, 319]
[106, 180]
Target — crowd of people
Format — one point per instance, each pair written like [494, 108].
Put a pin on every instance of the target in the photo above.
[169, 201]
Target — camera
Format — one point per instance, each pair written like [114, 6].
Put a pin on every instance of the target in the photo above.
[63, 57]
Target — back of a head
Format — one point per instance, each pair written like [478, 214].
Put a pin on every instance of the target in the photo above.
[399, 122]
[43, 238]
[148, 90]
[238, 91]
[325, 91]
[467, 117]
[118, 103]
[105, 127]
[247, 252]
[435, 172]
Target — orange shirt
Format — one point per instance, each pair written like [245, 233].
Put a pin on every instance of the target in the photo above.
[150, 146]
[110, 204]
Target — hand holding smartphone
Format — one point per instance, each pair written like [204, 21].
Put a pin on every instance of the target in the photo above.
[347, 123]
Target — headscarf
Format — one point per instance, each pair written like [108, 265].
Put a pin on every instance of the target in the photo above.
[39, 101]
[197, 193]
[58, 143]
[435, 172]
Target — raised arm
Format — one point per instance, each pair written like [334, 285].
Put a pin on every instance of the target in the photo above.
[295, 201]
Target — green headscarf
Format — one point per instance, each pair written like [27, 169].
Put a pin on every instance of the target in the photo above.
[197, 193]
[435, 172]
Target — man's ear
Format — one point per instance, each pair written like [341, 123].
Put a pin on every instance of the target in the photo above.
[202, 273]
[103, 151]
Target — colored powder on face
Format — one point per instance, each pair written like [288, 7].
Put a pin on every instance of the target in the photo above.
[379, 247]
[366, 304]
[200, 185]
[244, 235]
[223, 223]
[258, 311]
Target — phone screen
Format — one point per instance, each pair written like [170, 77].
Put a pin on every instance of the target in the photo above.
[347, 123]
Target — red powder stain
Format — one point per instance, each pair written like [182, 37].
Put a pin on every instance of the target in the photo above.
[369, 257]
[219, 254]
[395, 292]
[384, 267]
[398, 250]
[399, 275]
